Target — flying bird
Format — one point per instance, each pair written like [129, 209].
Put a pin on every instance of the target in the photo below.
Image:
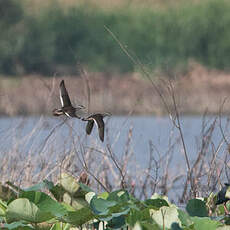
[98, 119]
[67, 108]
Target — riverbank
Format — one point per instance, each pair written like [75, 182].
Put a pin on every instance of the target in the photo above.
[197, 91]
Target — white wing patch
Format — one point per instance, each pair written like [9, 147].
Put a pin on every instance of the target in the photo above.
[61, 99]
[95, 122]
[67, 114]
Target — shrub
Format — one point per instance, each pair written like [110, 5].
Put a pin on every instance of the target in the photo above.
[57, 38]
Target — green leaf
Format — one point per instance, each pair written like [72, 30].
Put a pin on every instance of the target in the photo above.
[85, 188]
[34, 207]
[69, 183]
[101, 206]
[116, 222]
[103, 195]
[90, 195]
[156, 203]
[149, 226]
[119, 196]
[37, 187]
[78, 217]
[61, 226]
[58, 192]
[223, 228]
[165, 216]
[68, 207]
[3, 207]
[45, 203]
[184, 218]
[138, 216]
[23, 209]
[124, 211]
[157, 196]
[137, 226]
[196, 207]
[77, 203]
[17, 225]
[205, 223]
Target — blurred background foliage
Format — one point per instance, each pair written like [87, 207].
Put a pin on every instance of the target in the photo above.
[48, 37]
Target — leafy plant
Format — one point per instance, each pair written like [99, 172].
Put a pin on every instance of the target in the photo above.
[114, 210]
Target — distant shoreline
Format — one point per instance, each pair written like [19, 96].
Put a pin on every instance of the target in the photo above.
[199, 91]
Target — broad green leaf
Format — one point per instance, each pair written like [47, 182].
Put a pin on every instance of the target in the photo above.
[57, 226]
[69, 183]
[115, 211]
[89, 196]
[116, 222]
[197, 207]
[37, 187]
[119, 196]
[68, 207]
[165, 216]
[101, 206]
[45, 203]
[205, 223]
[138, 216]
[137, 226]
[78, 217]
[122, 212]
[58, 192]
[103, 195]
[156, 203]
[148, 226]
[223, 228]
[85, 188]
[18, 224]
[77, 203]
[157, 196]
[3, 207]
[184, 218]
[23, 209]
[60, 226]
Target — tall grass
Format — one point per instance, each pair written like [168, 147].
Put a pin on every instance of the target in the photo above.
[34, 150]
[54, 39]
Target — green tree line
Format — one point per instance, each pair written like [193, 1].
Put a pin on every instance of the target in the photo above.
[54, 39]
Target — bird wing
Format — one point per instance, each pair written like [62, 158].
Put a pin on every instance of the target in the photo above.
[100, 124]
[89, 126]
[64, 96]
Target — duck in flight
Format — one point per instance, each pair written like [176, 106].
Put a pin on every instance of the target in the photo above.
[98, 119]
[67, 108]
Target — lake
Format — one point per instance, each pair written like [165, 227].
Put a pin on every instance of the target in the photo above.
[134, 136]
[31, 132]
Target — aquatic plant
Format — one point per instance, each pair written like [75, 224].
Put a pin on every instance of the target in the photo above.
[70, 204]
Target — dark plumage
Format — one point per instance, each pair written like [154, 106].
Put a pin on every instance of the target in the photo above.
[67, 108]
[98, 119]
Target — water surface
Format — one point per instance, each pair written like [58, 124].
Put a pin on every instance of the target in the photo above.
[135, 133]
